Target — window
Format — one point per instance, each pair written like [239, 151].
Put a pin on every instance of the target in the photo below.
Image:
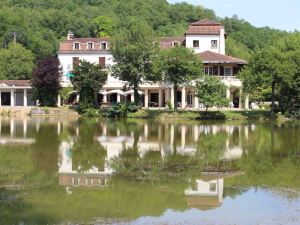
[227, 71]
[189, 99]
[90, 45]
[76, 46]
[175, 43]
[212, 187]
[208, 70]
[196, 43]
[103, 45]
[102, 62]
[214, 44]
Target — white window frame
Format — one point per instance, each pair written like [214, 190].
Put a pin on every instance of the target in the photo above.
[198, 44]
[214, 46]
[189, 99]
[74, 44]
[210, 70]
[231, 71]
[106, 45]
[87, 45]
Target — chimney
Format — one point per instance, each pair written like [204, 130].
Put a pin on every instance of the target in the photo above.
[70, 35]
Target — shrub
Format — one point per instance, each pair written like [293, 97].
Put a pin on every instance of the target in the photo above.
[169, 105]
[121, 110]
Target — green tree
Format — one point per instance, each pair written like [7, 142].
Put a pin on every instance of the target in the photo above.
[132, 48]
[177, 66]
[16, 62]
[46, 81]
[88, 80]
[103, 26]
[274, 66]
[212, 92]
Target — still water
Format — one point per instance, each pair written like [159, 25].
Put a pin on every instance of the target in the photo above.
[63, 171]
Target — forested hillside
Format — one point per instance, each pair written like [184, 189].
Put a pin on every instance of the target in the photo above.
[39, 25]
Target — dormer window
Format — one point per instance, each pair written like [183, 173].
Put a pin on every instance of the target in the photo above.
[214, 44]
[103, 45]
[175, 43]
[196, 43]
[90, 45]
[76, 46]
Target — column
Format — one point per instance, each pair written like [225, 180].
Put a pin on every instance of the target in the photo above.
[160, 98]
[240, 99]
[12, 127]
[25, 98]
[196, 133]
[183, 98]
[146, 130]
[58, 101]
[228, 93]
[104, 98]
[132, 97]
[183, 133]
[196, 100]
[118, 97]
[167, 94]
[12, 97]
[172, 97]
[172, 133]
[77, 98]
[247, 102]
[146, 98]
[0, 99]
[25, 128]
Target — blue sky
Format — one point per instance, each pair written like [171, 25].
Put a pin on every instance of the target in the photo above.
[281, 14]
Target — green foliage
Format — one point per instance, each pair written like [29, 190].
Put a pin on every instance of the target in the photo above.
[65, 93]
[46, 81]
[88, 81]
[237, 49]
[133, 59]
[91, 112]
[103, 26]
[212, 92]
[16, 62]
[121, 110]
[177, 66]
[276, 67]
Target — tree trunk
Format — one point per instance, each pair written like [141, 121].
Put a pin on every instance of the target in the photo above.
[273, 99]
[175, 97]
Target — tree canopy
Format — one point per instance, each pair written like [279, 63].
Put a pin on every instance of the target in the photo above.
[133, 63]
[212, 92]
[177, 66]
[16, 62]
[46, 81]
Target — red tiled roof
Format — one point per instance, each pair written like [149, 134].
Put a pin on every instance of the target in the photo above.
[204, 26]
[167, 42]
[212, 57]
[14, 82]
[67, 45]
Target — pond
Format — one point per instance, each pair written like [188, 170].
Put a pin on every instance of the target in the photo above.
[88, 171]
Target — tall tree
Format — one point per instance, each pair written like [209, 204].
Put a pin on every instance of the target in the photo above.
[88, 80]
[132, 48]
[16, 62]
[272, 66]
[46, 80]
[212, 92]
[177, 66]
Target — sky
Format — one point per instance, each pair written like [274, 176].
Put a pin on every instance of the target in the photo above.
[280, 14]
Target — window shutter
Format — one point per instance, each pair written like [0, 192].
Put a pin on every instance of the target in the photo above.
[75, 62]
[102, 62]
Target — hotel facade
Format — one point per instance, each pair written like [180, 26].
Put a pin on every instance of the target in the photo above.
[205, 37]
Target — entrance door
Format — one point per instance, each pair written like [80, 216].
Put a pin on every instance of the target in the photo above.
[5, 97]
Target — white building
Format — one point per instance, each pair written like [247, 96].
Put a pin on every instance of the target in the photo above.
[205, 37]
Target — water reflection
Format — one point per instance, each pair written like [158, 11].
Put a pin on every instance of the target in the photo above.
[92, 167]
